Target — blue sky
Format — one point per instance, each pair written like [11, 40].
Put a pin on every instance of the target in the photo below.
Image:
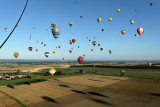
[40, 14]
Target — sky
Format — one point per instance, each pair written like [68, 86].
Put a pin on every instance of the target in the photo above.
[39, 14]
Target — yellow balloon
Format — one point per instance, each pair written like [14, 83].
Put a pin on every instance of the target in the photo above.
[99, 20]
[54, 51]
[110, 19]
[16, 54]
[52, 71]
[123, 32]
[149, 64]
[118, 10]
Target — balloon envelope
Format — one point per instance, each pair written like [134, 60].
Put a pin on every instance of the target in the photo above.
[140, 31]
[52, 71]
[80, 59]
[16, 54]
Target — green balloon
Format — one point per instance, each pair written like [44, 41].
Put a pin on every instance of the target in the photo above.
[70, 23]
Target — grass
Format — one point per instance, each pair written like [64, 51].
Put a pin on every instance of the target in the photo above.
[43, 74]
[20, 103]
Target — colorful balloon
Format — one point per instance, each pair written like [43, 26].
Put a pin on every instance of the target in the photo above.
[80, 16]
[149, 64]
[80, 59]
[37, 41]
[131, 21]
[70, 24]
[36, 50]
[91, 49]
[101, 49]
[99, 44]
[30, 38]
[140, 31]
[70, 51]
[94, 43]
[102, 30]
[110, 51]
[16, 54]
[34, 29]
[52, 71]
[70, 42]
[123, 32]
[55, 30]
[5, 29]
[118, 10]
[98, 20]
[54, 51]
[30, 48]
[110, 19]
[151, 4]
[46, 54]
[73, 40]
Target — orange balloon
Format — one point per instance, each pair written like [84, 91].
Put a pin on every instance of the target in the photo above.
[123, 32]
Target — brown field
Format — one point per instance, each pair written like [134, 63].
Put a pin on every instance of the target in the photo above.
[88, 90]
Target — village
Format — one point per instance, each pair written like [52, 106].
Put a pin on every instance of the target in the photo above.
[14, 76]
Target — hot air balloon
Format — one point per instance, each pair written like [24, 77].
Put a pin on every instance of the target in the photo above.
[94, 37]
[84, 55]
[44, 44]
[70, 51]
[91, 49]
[136, 10]
[89, 43]
[110, 19]
[63, 58]
[52, 71]
[54, 51]
[118, 10]
[98, 20]
[78, 46]
[30, 48]
[72, 48]
[37, 41]
[16, 54]
[99, 44]
[41, 42]
[70, 24]
[55, 30]
[102, 30]
[123, 32]
[131, 21]
[151, 4]
[34, 29]
[30, 35]
[70, 42]
[5, 29]
[80, 16]
[110, 51]
[101, 49]
[59, 46]
[80, 59]
[36, 50]
[94, 43]
[140, 31]
[135, 35]
[110, 63]
[94, 65]
[46, 29]
[149, 64]
[30, 38]
[73, 40]
[46, 54]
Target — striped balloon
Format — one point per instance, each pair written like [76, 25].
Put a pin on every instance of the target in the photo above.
[46, 54]
[80, 59]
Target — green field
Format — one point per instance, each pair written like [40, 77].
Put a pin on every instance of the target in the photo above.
[43, 74]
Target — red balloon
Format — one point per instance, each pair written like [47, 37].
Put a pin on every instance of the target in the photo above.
[140, 31]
